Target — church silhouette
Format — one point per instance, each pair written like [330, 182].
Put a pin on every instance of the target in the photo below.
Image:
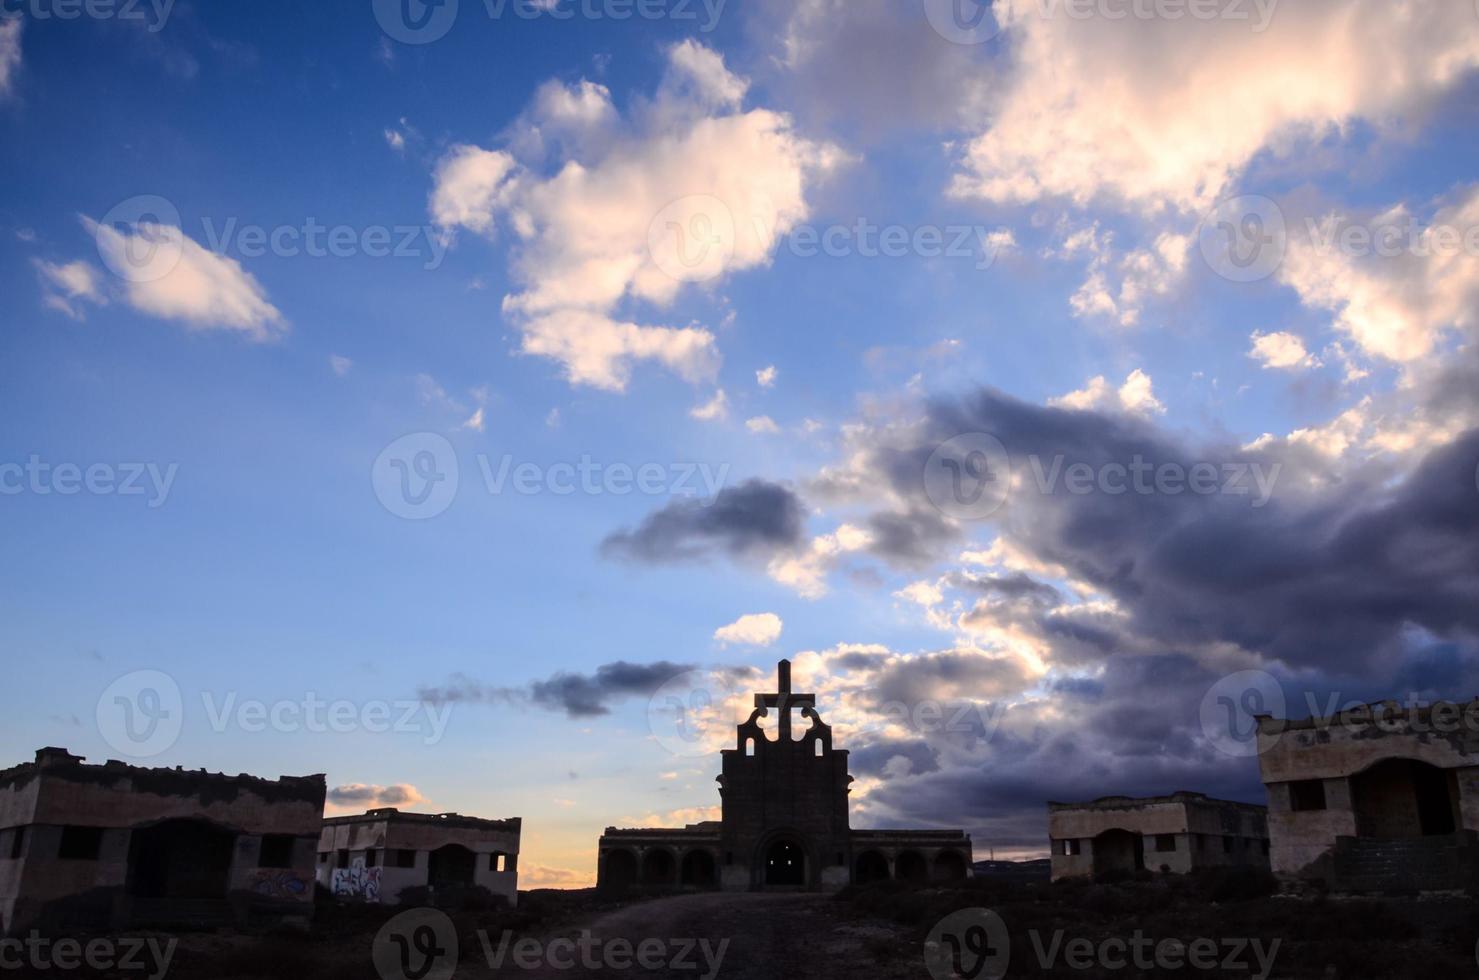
[784, 824]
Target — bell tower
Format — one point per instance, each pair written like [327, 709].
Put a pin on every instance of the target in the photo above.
[785, 821]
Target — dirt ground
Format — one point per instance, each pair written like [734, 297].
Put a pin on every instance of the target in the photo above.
[742, 937]
[875, 932]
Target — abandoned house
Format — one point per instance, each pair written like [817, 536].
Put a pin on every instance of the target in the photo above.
[116, 845]
[784, 821]
[375, 856]
[1379, 798]
[1176, 833]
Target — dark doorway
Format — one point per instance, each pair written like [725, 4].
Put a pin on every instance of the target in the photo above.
[910, 866]
[872, 866]
[1118, 851]
[698, 870]
[658, 869]
[452, 866]
[949, 866]
[1403, 798]
[785, 864]
[620, 871]
[180, 859]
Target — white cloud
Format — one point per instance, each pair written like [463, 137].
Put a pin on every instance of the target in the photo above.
[807, 572]
[593, 234]
[469, 187]
[340, 365]
[1396, 306]
[762, 425]
[571, 122]
[599, 351]
[765, 377]
[1204, 97]
[66, 286]
[703, 70]
[716, 409]
[475, 422]
[1136, 395]
[1282, 351]
[754, 630]
[395, 139]
[1118, 286]
[10, 53]
[181, 280]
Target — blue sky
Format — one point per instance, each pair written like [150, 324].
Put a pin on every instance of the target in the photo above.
[519, 166]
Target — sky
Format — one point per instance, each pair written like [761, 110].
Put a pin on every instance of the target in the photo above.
[472, 402]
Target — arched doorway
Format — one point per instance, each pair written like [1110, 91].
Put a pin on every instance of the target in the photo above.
[620, 871]
[698, 870]
[871, 867]
[180, 859]
[452, 866]
[1404, 798]
[949, 866]
[785, 864]
[911, 866]
[658, 868]
[1118, 850]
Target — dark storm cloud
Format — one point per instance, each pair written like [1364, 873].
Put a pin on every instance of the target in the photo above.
[581, 695]
[360, 795]
[577, 695]
[911, 539]
[754, 518]
[1132, 731]
[870, 759]
[1313, 577]
[927, 677]
[1015, 586]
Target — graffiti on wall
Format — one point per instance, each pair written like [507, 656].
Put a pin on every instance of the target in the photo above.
[358, 882]
[283, 885]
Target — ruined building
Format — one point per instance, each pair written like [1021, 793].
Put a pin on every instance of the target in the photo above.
[1380, 798]
[117, 845]
[375, 856]
[1176, 833]
[784, 824]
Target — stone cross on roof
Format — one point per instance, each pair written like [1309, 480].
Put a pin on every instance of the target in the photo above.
[783, 700]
